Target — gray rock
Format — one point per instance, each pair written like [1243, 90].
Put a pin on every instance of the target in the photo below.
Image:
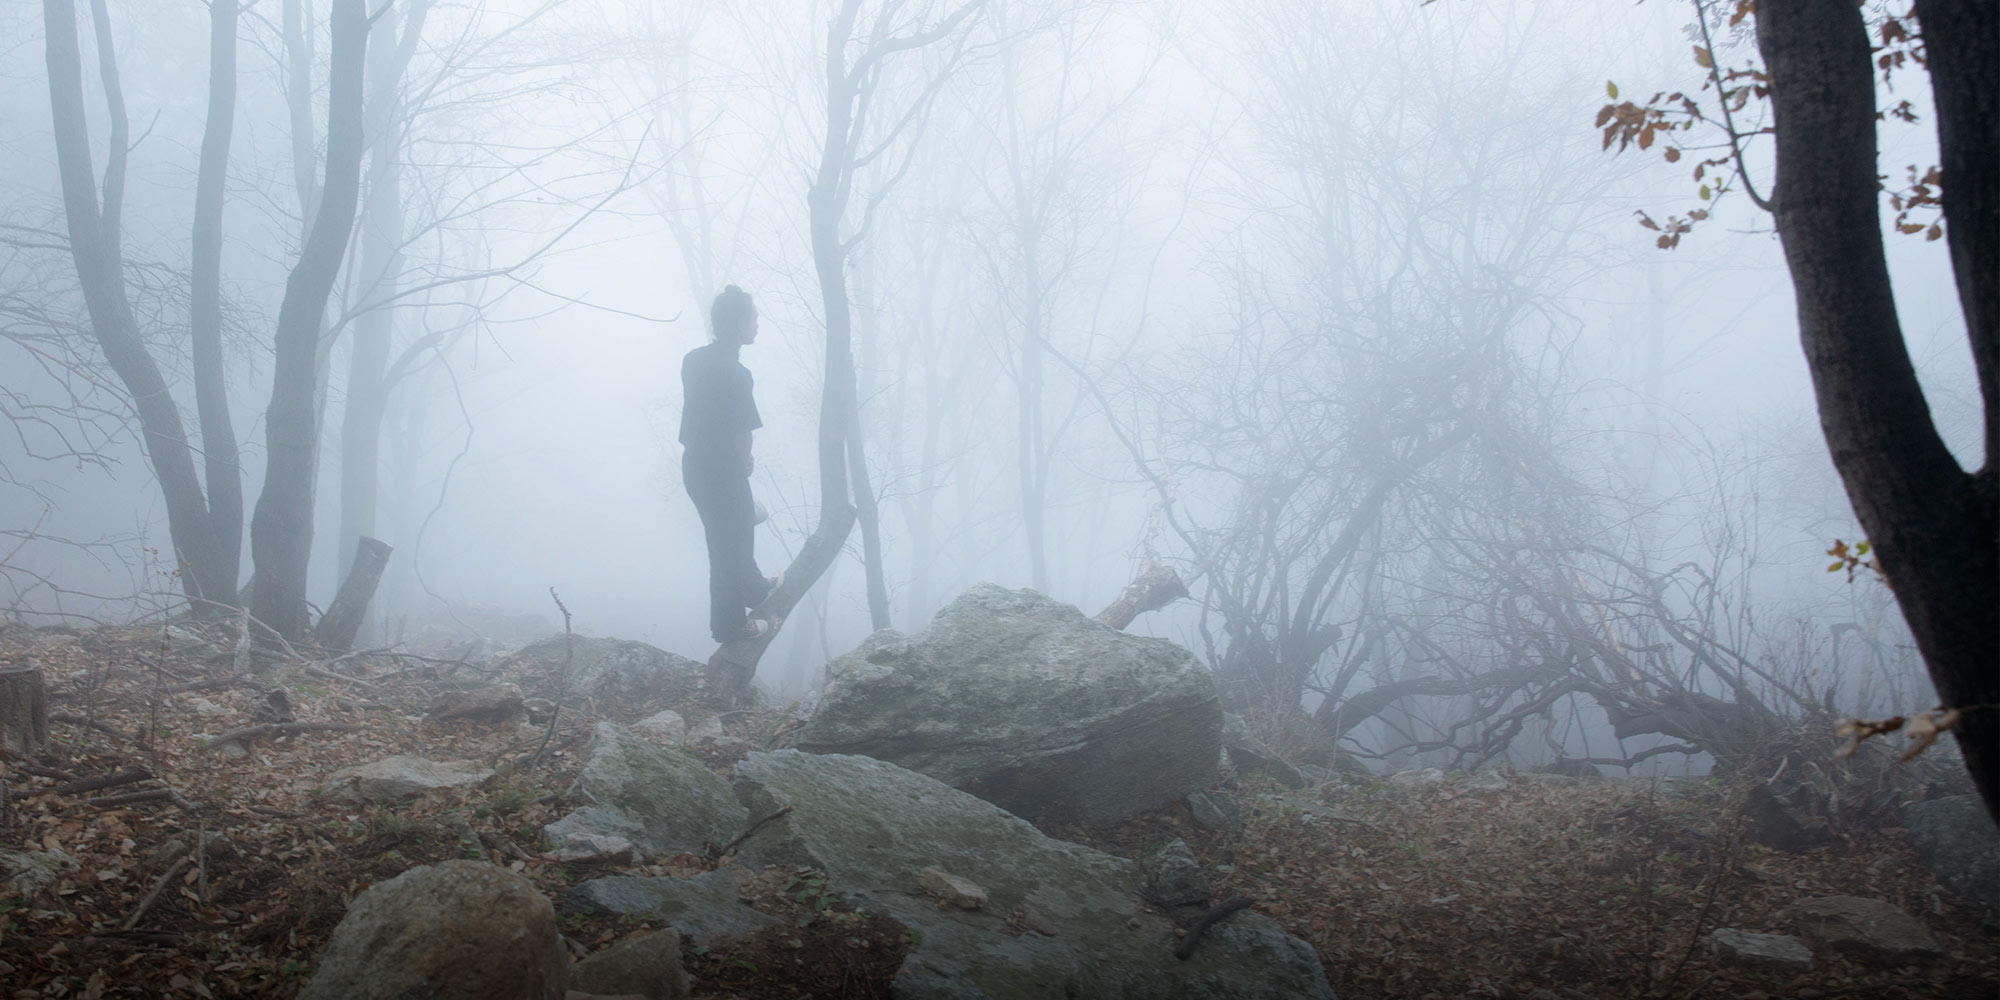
[1869, 928]
[1028, 704]
[1772, 951]
[1484, 781]
[1216, 812]
[232, 750]
[1252, 757]
[493, 703]
[1175, 878]
[1417, 778]
[394, 779]
[701, 908]
[663, 727]
[631, 676]
[656, 799]
[951, 889]
[1957, 842]
[460, 930]
[1570, 767]
[648, 965]
[868, 825]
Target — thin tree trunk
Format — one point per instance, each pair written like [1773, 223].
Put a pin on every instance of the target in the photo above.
[211, 388]
[357, 588]
[101, 273]
[281, 529]
[1933, 526]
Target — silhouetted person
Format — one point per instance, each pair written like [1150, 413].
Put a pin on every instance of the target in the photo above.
[717, 416]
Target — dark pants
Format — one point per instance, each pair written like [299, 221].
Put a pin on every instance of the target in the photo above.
[729, 520]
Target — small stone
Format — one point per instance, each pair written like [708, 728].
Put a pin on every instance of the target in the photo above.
[648, 965]
[232, 750]
[1216, 812]
[1870, 928]
[203, 707]
[1772, 951]
[32, 871]
[708, 730]
[960, 892]
[1175, 878]
[495, 703]
[1418, 778]
[393, 779]
[1485, 781]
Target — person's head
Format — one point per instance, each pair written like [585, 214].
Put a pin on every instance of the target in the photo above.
[733, 317]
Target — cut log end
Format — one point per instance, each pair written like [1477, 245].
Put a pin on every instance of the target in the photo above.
[1154, 588]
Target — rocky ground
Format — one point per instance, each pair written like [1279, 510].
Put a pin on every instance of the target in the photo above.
[223, 870]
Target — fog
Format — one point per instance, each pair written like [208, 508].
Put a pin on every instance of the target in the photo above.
[1340, 310]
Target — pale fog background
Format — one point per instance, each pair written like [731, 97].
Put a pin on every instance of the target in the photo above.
[1184, 149]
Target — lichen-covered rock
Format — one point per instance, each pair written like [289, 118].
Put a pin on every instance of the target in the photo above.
[1216, 812]
[700, 908]
[1868, 928]
[394, 779]
[1028, 704]
[655, 799]
[1771, 951]
[870, 825]
[1957, 842]
[648, 965]
[666, 726]
[626, 676]
[460, 930]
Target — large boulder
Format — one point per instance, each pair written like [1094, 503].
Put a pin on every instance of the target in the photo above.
[460, 930]
[627, 678]
[1028, 704]
[648, 965]
[1957, 842]
[1058, 919]
[649, 799]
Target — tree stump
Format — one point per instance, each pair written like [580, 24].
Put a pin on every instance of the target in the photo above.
[24, 711]
[1154, 588]
[342, 621]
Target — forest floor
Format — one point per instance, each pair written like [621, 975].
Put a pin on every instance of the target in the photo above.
[1550, 891]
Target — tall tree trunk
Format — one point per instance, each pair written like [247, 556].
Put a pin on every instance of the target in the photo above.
[211, 387]
[281, 529]
[1934, 527]
[94, 241]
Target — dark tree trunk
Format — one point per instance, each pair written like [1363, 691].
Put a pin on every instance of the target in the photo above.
[1933, 526]
[281, 529]
[94, 245]
[342, 622]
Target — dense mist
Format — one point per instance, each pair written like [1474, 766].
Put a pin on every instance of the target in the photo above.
[1344, 312]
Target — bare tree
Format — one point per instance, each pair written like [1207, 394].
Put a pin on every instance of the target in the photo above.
[858, 58]
[281, 528]
[204, 536]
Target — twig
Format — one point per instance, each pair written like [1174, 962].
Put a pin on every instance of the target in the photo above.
[334, 676]
[159, 886]
[125, 777]
[730, 848]
[1208, 917]
[89, 723]
[562, 683]
[248, 733]
[149, 795]
[42, 771]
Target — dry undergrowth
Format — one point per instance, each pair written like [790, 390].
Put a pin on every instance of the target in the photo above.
[1606, 890]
